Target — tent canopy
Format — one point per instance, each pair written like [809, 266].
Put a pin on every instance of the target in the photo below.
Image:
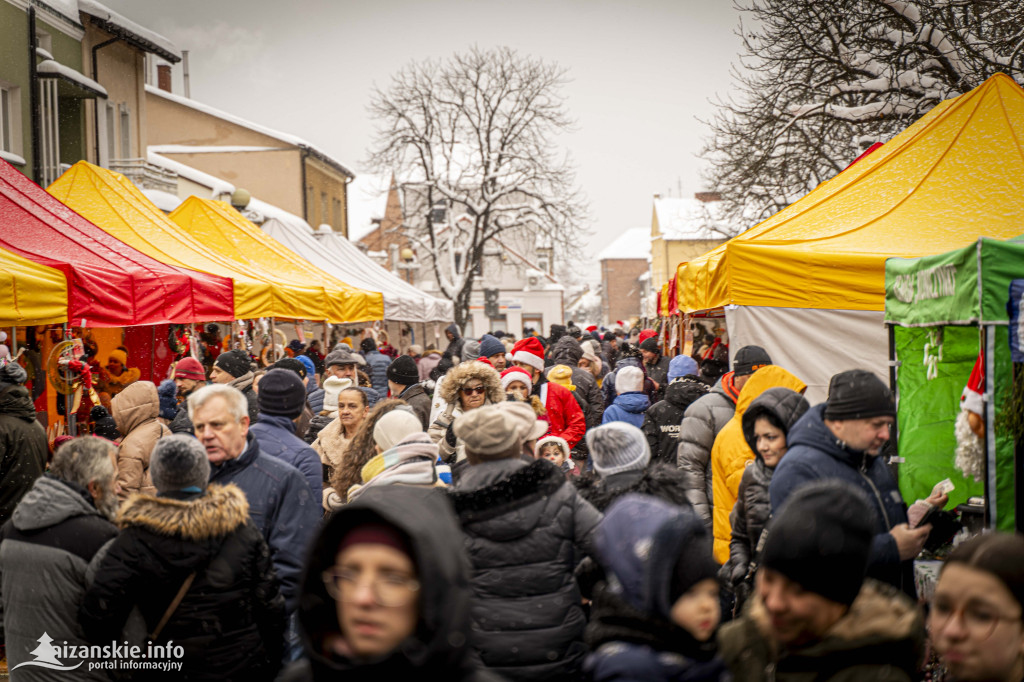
[956, 174]
[220, 226]
[30, 293]
[109, 284]
[335, 254]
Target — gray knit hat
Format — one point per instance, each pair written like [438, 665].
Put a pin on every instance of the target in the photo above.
[179, 461]
[616, 447]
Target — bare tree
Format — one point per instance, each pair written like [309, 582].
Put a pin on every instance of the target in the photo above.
[821, 81]
[475, 135]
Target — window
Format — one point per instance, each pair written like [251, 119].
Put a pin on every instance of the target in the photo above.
[6, 129]
[439, 214]
[323, 208]
[111, 135]
[336, 223]
[126, 132]
[309, 203]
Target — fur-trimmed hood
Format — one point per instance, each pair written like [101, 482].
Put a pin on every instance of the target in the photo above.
[458, 376]
[222, 510]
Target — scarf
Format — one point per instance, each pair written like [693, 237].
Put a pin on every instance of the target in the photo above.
[411, 462]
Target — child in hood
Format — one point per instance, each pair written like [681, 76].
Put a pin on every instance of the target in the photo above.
[556, 451]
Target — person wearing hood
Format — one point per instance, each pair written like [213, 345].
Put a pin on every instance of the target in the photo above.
[561, 411]
[702, 422]
[466, 387]
[655, 616]
[765, 425]
[567, 351]
[45, 551]
[631, 403]
[731, 453]
[23, 448]
[813, 615]
[234, 369]
[656, 365]
[377, 365]
[188, 377]
[662, 422]
[193, 547]
[386, 594]
[135, 410]
[428, 362]
[405, 455]
[404, 384]
[525, 529]
[455, 342]
[843, 439]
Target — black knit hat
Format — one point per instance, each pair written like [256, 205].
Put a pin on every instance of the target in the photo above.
[821, 540]
[650, 344]
[749, 359]
[367, 345]
[858, 394]
[282, 393]
[234, 362]
[404, 371]
[105, 426]
[292, 365]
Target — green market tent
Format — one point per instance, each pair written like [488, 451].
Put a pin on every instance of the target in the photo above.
[942, 310]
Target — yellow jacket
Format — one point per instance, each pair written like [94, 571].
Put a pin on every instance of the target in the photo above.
[731, 454]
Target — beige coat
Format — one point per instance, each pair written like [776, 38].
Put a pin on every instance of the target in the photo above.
[331, 445]
[135, 411]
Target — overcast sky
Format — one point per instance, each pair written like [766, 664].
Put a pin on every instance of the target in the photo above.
[642, 73]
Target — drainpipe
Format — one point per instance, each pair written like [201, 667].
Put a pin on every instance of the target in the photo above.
[33, 93]
[96, 100]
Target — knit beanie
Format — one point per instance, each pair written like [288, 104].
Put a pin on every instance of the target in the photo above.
[377, 533]
[516, 374]
[562, 375]
[333, 386]
[105, 426]
[12, 373]
[367, 345]
[858, 394]
[629, 379]
[616, 447]
[394, 426]
[529, 351]
[292, 365]
[118, 355]
[234, 362]
[189, 368]
[749, 359]
[404, 371]
[650, 344]
[282, 393]
[470, 350]
[179, 461]
[821, 540]
[168, 393]
[680, 366]
[490, 345]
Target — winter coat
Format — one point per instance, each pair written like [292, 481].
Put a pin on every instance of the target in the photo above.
[525, 529]
[244, 384]
[658, 372]
[567, 351]
[454, 349]
[663, 421]
[441, 648]
[629, 407]
[181, 423]
[377, 367]
[731, 453]
[753, 507]
[701, 423]
[22, 447]
[135, 410]
[426, 364]
[440, 432]
[331, 445]
[419, 401]
[880, 639]
[315, 399]
[410, 462]
[660, 480]
[276, 437]
[608, 385]
[45, 550]
[281, 507]
[563, 414]
[231, 621]
[815, 454]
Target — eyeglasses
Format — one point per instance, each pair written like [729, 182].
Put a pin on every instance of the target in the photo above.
[343, 584]
[475, 390]
[979, 621]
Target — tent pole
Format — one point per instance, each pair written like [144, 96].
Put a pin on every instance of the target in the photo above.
[988, 342]
[69, 398]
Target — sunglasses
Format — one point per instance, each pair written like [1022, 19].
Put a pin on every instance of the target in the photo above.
[478, 390]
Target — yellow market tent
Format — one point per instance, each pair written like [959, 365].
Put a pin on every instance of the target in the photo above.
[113, 203]
[220, 226]
[30, 293]
[952, 177]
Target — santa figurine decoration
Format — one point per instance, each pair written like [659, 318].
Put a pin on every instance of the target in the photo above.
[970, 424]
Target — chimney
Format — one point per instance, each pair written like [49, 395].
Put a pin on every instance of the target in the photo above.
[708, 197]
[163, 77]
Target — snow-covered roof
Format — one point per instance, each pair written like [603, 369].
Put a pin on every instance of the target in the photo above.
[688, 219]
[367, 200]
[210, 149]
[55, 68]
[68, 9]
[634, 243]
[216, 185]
[263, 130]
[165, 201]
[586, 301]
[127, 30]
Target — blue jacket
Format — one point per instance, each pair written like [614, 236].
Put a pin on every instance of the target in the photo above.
[280, 505]
[815, 454]
[377, 367]
[628, 407]
[276, 436]
[315, 399]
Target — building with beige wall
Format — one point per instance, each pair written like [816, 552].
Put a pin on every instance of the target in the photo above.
[681, 230]
[281, 169]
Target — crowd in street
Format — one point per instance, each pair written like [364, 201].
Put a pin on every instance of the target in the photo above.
[572, 507]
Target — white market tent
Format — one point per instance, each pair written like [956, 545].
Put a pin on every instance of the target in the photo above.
[334, 254]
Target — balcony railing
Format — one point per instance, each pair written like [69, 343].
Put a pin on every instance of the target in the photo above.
[145, 175]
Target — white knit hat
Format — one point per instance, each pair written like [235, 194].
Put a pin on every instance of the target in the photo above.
[333, 386]
[395, 426]
[629, 379]
[616, 447]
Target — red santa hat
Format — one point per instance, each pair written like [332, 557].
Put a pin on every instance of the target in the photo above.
[592, 328]
[971, 398]
[516, 374]
[646, 334]
[530, 351]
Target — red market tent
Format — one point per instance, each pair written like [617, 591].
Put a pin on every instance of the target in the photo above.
[109, 284]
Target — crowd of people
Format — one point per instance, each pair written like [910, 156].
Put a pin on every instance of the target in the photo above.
[575, 507]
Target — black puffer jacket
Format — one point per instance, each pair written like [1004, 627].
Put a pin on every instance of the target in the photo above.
[440, 649]
[568, 351]
[525, 529]
[231, 621]
[663, 421]
[22, 447]
[658, 480]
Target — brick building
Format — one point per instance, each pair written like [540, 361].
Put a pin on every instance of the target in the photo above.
[625, 275]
